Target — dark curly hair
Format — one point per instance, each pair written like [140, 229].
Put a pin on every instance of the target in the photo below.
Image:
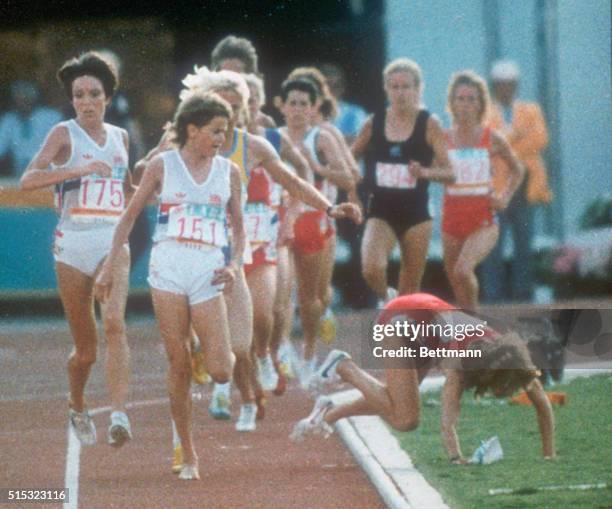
[89, 64]
[235, 47]
[504, 367]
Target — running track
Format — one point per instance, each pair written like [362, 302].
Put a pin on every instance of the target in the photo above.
[254, 470]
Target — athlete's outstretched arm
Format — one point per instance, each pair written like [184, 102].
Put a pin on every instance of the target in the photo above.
[451, 408]
[546, 420]
[266, 156]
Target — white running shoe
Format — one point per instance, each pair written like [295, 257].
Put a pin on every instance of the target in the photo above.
[220, 403]
[268, 377]
[83, 426]
[119, 430]
[326, 375]
[307, 370]
[391, 294]
[246, 420]
[189, 473]
[315, 423]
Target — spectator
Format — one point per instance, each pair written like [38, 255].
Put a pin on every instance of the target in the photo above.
[24, 128]
[525, 128]
[351, 117]
[349, 121]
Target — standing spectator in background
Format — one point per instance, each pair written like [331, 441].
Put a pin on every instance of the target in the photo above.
[525, 128]
[350, 120]
[351, 117]
[24, 128]
[119, 113]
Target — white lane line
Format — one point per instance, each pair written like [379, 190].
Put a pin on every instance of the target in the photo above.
[73, 452]
[71, 479]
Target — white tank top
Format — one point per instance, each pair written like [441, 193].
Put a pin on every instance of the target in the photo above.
[329, 190]
[92, 201]
[192, 213]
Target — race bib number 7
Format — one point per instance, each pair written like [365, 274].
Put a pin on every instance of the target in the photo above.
[258, 223]
[199, 224]
[101, 199]
[395, 176]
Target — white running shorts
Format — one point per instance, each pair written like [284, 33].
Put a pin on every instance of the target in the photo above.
[83, 249]
[185, 270]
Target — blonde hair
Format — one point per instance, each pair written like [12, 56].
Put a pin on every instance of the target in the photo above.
[257, 83]
[505, 366]
[471, 79]
[405, 65]
[206, 80]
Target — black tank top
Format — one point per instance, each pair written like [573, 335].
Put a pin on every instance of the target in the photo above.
[381, 150]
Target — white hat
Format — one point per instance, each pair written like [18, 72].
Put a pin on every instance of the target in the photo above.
[505, 70]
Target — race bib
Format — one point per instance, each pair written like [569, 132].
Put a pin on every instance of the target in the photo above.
[101, 199]
[258, 223]
[395, 176]
[472, 168]
[198, 224]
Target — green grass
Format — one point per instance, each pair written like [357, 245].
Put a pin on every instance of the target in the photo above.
[584, 447]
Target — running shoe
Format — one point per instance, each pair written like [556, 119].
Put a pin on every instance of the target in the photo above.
[326, 375]
[219, 407]
[308, 369]
[327, 327]
[268, 377]
[392, 293]
[177, 459]
[83, 426]
[315, 423]
[260, 402]
[198, 370]
[119, 430]
[246, 420]
[189, 473]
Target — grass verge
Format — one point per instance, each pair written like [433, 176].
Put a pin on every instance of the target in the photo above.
[584, 447]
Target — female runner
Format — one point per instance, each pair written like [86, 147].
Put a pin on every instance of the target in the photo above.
[469, 228]
[87, 162]
[404, 149]
[489, 361]
[188, 267]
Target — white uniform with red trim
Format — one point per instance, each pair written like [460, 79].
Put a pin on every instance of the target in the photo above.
[190, 237]
[90, 206]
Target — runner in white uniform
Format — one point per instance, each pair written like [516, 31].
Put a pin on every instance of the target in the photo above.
[188, 268]
[313, 245]
[88, 160]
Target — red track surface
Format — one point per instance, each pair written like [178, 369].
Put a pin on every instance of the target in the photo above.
[254, 470]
